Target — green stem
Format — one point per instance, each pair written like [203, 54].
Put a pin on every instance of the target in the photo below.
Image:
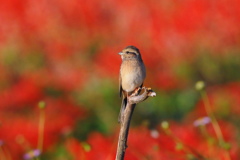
[41, 129]
[211, 115]
[214, 121]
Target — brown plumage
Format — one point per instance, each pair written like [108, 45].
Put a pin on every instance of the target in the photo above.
[132, 75]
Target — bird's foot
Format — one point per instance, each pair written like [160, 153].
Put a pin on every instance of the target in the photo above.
[136, 91]
[137, 97]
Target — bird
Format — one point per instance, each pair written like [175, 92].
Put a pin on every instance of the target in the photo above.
[132, 75]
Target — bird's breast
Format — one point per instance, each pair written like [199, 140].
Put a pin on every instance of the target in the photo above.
[132, 74]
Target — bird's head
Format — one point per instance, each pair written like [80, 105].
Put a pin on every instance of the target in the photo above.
[130, 52]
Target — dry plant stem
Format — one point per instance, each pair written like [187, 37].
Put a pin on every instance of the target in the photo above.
[123, 135]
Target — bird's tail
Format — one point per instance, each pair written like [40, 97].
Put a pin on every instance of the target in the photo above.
[123, 106]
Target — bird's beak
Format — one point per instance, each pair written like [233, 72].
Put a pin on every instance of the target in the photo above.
[120, 53]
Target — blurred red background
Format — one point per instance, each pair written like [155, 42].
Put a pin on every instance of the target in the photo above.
[64, 53]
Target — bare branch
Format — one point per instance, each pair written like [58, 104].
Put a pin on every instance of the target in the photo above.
[123, 135]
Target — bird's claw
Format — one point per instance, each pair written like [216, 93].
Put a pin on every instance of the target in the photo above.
[136, 91]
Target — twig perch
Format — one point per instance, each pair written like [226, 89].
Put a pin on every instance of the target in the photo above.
[123, 135]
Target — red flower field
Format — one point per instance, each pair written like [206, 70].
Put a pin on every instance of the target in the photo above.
[59, 71]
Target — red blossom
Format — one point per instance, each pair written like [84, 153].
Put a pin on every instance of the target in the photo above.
[102, 148]
[74, 40]
[20, 131]
[20, 94]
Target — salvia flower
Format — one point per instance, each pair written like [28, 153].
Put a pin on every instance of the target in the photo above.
[201, 121]
[154, 133]
[32, 154]
[1, 142]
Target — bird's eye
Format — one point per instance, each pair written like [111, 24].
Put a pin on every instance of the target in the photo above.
[127, 52]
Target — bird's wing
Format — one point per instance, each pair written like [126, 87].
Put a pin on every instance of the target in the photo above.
[120, 85]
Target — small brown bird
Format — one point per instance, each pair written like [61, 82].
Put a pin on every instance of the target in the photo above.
[132, 75]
